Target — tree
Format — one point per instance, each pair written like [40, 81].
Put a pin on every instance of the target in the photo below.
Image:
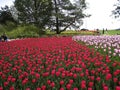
[67, 15]
[54, 14]
[5, 15]
[14, 13]
[116, 11]
[37, 12]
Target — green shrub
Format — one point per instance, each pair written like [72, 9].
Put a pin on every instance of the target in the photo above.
[10, 26]
[2, 29]
[25, 31]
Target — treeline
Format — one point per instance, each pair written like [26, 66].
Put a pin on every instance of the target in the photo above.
[55, 15]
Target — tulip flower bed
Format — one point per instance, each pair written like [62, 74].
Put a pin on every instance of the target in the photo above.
[107, 45]
[55, 63]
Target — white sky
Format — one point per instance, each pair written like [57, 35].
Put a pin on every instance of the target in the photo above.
[6, 2]
[100, 11]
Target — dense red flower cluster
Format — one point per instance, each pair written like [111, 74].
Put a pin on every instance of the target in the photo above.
[56, 63]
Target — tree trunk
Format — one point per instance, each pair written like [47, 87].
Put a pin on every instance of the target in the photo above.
[57, 23]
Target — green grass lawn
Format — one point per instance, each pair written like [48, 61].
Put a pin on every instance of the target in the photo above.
[111, 32]
[31, 31]
[71, 32]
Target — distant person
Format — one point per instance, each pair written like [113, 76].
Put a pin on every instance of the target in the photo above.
[97, 30]
[4, 37]
[106, 29]
[103, 31]
[0, 39]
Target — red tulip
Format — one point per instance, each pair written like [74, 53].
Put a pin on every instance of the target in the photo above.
[92, 78]
[62, 88]
[37, 75]
[91, 84]
[53, 72]
[82, 74]
[57, 73]
[1, 88]
[6, 83]
[71, 81]
[63, 75]
[70, 74]
[105, 88]
[43, 87]
[52, 84]
[75, 89]
[68, 86]
[117, 88]
[25, 81]
[61, 82]
[108, 76]
[83, 84]
[93, 71]
[27, 89]
[98, 79]
[13, 80]
[75, 75]
[12, 88]
[33, 80]
[115, 80]
[48, 82]
[38, 88]
[90, 88]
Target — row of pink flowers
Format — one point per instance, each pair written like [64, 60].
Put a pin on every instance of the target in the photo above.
[109, 45]
[55, 63]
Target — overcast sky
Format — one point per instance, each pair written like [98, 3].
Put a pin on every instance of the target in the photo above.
[6, 2]
[100, 11]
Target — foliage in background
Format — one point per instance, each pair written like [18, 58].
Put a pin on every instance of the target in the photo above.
[37, 12]
[67, 15]
[116, 11]
[6, 15]
[53, 14]
[9, 26]
[25, 31]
